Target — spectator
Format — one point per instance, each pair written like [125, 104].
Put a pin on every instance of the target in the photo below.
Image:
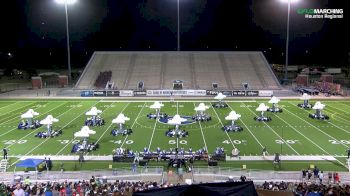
[49, 164]
[18, 191]
[320, 176]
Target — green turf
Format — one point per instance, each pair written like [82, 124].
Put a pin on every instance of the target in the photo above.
[289, 133]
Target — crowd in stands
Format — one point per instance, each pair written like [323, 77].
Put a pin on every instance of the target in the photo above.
[102, 79]
[95, 186]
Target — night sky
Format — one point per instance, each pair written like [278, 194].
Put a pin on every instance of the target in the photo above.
[34, 30]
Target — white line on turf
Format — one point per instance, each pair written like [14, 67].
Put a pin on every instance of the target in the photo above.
[133, 124]
[8, 105]
[222, 125]
[38, 116]
[154, 128]
[200, 125]
[276, 134]
[109, 127]
[315, 126]
[12, 112]
[46, 139]
[249, 130]
[302, 134]
[167, 101]
[75, 137]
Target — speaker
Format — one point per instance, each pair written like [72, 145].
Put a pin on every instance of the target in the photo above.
[212, 163]
[143, 163]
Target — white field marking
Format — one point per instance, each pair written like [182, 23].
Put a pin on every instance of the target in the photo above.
[39, 115]
[315, 126]
[46, 139]
[110, 125]
[41, 126]
[126, 137]
[154, 128]
[310, 140]
[183, 101]
[64, 126]
[177, 107]
[9, 105]
[177, 142]
[14, 110]
[200, 125]
[301, 134]
[338, 109]
[333, 124]
[276, 134]
[248, 129]
[65, 146]
[15, 118]
[30, 151]
[222, 125]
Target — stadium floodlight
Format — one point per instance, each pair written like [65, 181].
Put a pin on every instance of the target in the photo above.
[287, 39]
[66, 2]
[178, 25]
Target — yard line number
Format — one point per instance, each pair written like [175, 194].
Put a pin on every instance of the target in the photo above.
[235, 142]
[120, 141]
[11, 142]
[339, 141]
[181, 142]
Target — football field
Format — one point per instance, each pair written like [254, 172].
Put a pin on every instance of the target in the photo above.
[291, 132]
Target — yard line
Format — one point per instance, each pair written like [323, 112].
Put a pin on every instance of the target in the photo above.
[40, 127]
[338, 109]
[333, 123]
[133, 124]
[154, 128]
[315, 126]
[14, 110]
[75, 137]
[11, 119]
[49, 137]
[39, 115]
[276, 133]
[110, 125]
[248, 129]
[309, 139]
[222, 125]
[200, 125]
[8, 104]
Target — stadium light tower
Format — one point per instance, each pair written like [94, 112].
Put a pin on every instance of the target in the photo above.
[287, 39]
[178, 25]
[66, 2]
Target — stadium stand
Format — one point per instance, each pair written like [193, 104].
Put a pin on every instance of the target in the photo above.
[197, 70]
[102, 79]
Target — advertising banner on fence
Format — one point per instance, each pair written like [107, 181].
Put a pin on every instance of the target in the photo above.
[265, 93]
[99, 93]
[140, 93]
[86, 93]
[252, 93]
[176, 92]
[126, 93]
[238, 93]
[112, 93]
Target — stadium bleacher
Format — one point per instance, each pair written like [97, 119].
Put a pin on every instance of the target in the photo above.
[197, 70]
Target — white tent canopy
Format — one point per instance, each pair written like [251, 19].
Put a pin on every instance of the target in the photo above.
[274, 100]
[93, 112]
[121, 118]
[233, 116]
[29, 114]
[176, 120]
[49, 120]
[318, 106]
[201, 107]
[220, 96]
[156, 105]
[305, 97]
[262, 108]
